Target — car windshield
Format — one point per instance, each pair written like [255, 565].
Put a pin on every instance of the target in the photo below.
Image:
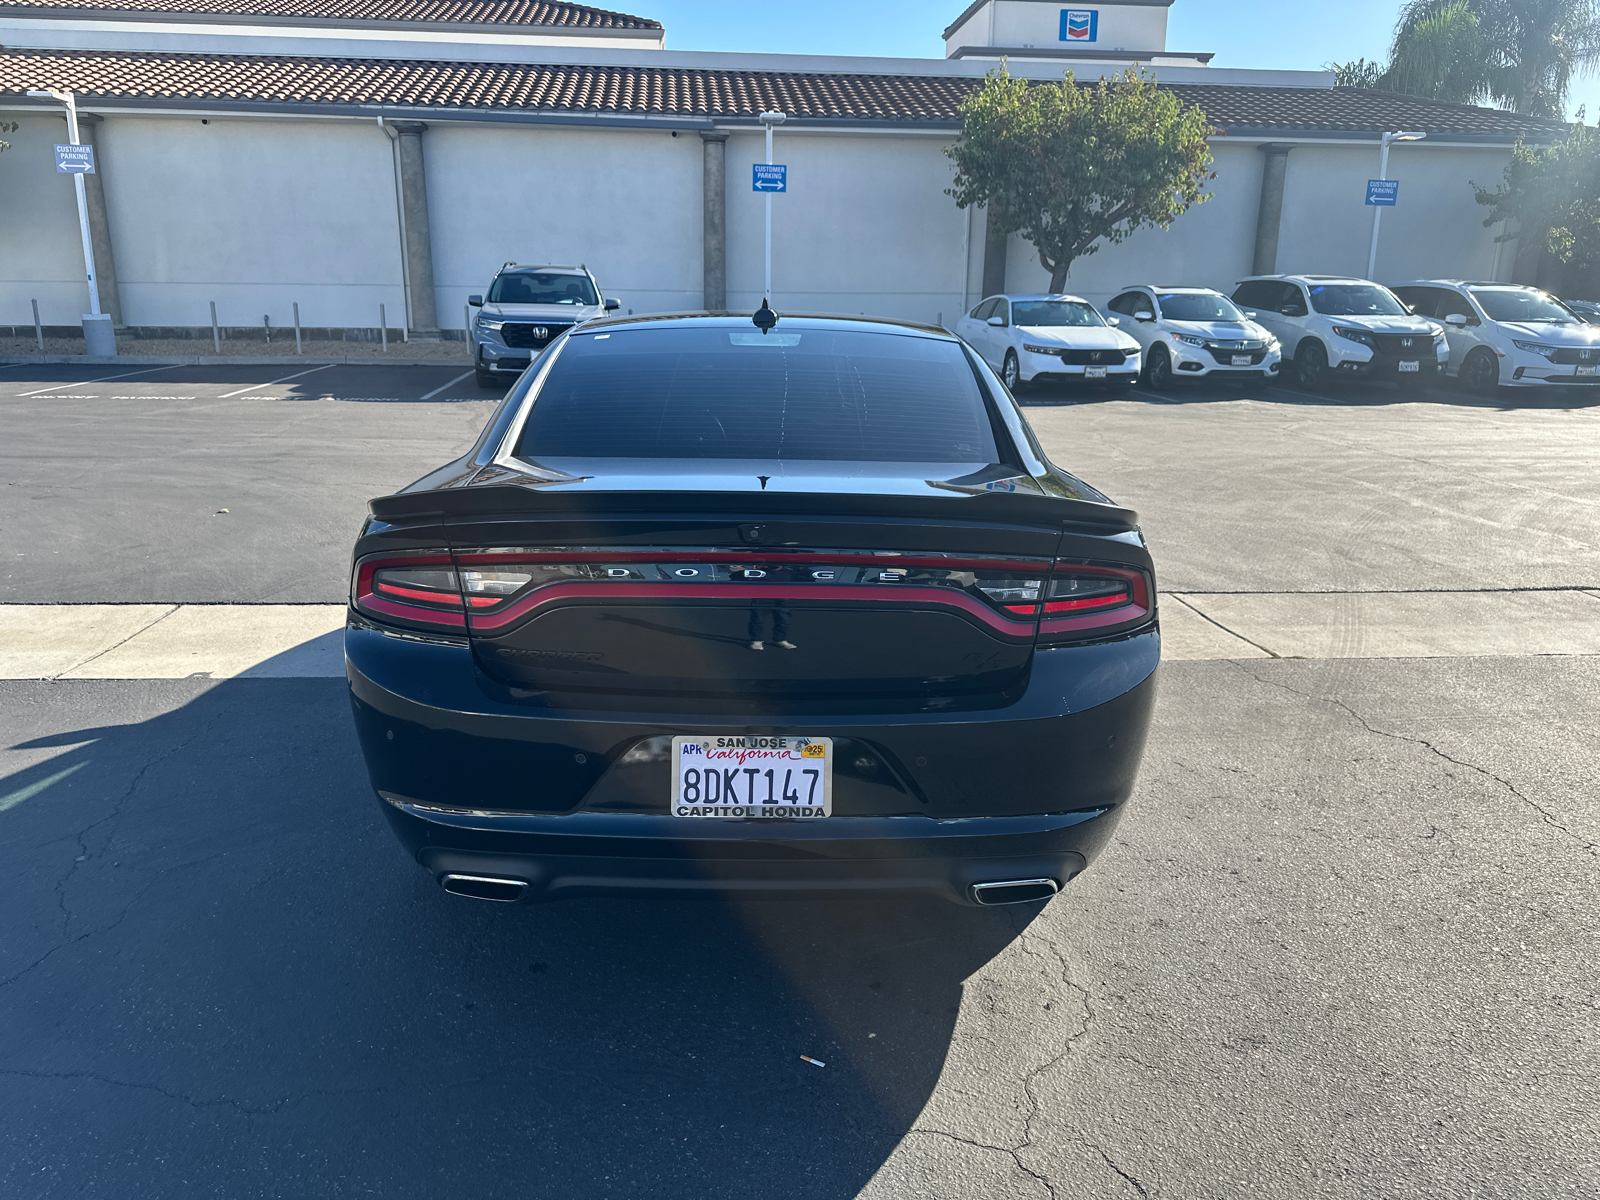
[1053, 312]
[534, 287]
[1355, 300]
[1189, 306]
[1515, 304]
[807, 394]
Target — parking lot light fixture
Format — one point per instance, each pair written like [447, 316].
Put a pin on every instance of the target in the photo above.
[1383, 173]
[770, 119]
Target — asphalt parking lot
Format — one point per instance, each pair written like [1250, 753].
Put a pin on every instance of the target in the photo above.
[1342, 947]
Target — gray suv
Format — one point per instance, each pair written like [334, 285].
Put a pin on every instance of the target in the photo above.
[528, 308]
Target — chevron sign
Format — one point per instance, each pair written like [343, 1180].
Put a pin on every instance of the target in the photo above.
[1079, 24]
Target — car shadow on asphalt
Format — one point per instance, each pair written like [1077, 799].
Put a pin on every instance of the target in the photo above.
[1341, 394]
[221, 967]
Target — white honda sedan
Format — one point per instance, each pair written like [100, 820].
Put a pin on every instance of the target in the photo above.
[1031, 339]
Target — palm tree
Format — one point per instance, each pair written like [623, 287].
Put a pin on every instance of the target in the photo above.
[1519, 54]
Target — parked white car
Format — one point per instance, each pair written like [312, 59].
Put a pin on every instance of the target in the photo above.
[1055, 337]
[1507, 335]
[1330, 325]
[1195, 333]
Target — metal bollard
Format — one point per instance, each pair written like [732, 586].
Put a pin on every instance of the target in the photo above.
[216, 335]
[266, 323]
[297, 349]
[383, 329]
[38, 329]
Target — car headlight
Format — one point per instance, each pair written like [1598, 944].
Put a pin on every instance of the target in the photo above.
[1053, 351]
[1188, 339]
[1535, 348]
[1272, 346]
[1438, 337]
[1359, 336]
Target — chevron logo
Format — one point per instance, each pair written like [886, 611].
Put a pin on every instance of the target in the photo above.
[1079, 25]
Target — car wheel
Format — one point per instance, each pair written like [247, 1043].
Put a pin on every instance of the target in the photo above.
[1311, 365]
[487, 379]
[1011, 372]
[1481, 372]
[1158, 367]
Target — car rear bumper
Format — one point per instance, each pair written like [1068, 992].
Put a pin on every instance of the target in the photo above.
[479, 786]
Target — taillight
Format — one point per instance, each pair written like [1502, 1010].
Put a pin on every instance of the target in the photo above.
[1088, 600]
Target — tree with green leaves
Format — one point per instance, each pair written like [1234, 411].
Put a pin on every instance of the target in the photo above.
[1557, 190]
[1520, 54]
[1070, 166]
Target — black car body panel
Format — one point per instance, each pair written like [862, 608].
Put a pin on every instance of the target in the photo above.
[979, 643]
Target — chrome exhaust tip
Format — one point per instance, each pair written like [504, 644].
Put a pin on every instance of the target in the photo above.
[485, 887]
[1014, 891]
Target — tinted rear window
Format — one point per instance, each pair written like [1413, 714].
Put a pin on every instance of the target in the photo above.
[803, 394]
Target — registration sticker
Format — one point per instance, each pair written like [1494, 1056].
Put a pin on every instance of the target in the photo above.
[1094, 372]
[1408, 367]
[774, 777]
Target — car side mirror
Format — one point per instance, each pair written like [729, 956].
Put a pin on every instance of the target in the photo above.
[1141, 315]
[1113, 320]
[613, 305]
[1456, 320]
[1293, 310]
[1251, 315]
[475, 301]
[998, 322]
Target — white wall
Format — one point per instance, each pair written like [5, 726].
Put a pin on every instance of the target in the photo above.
[1435, 232]
[1032, 24]
[256, 215]
[865, 226]
[627, 203]
[41, 251]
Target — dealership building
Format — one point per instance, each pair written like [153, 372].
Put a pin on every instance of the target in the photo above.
[339, 155]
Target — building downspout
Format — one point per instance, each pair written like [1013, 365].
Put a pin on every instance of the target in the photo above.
[400, 215]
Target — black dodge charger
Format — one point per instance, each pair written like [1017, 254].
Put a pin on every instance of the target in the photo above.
[765, 607]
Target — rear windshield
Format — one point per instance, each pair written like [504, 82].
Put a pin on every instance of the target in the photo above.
[533, 287]
[794, 395]
[1191, 306]
[1514, 304]
[1355, 300]
[1053, 312]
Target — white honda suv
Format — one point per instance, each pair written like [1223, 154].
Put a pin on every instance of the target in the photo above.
[1195, 333]
[1332, 326]
[527, 309]
[1507, 335]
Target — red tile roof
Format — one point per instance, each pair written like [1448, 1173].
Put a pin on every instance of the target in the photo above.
[284, 81]
[476, 12]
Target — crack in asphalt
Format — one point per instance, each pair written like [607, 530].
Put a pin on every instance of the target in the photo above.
[1588, 847]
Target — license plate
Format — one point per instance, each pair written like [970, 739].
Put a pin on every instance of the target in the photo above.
[1587, 370]
[788, 777]
[1408, 367]
[1094, 372]
[1241, 360]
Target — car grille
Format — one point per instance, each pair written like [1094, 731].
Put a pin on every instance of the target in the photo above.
[1404, 345]
[1223, 352]
[1572, 356]
[531, 335]
[1092, 358]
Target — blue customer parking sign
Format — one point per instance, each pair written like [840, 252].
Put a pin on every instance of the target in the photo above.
[75, 160]
[1383, 192]
[769, 177]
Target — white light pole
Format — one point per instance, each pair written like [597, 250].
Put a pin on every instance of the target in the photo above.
[1377, 209]
[91, 340]
[769, 119]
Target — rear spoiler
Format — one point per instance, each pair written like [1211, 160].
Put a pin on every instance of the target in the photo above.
[1030, 506]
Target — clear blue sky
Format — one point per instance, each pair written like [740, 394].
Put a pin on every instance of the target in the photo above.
[1297, 34]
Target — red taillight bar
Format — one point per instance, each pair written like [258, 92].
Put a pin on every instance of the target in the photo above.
[1097, 612]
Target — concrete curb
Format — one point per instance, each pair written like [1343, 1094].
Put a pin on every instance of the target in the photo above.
[224, 360]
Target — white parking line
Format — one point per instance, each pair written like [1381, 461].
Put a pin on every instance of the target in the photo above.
[86, 382]
[452, 383]
[270, 382]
